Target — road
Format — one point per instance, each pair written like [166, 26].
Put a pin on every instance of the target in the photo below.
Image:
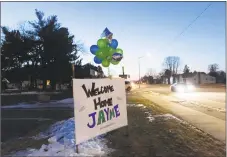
[18, 122]
[204, 108]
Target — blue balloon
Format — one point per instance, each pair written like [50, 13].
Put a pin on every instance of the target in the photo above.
[94, 49]
[97, 60]
[114, 43]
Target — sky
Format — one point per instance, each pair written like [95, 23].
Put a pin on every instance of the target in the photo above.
[142, 29]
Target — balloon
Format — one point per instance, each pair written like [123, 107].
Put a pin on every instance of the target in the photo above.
[111, 51]
[97, 60]
[117, 57]
[107, 51]
[114, 43]
[118, 50]
[102, 43]
[114, 62]
[94, 49]
[105, 63]
[107, 41]
[100, 55]
[109, 58]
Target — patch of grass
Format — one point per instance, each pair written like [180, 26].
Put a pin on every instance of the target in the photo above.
[135, 99]
[161, 137]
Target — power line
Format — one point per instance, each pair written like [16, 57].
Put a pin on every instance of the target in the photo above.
[190, 24]
[186, 28]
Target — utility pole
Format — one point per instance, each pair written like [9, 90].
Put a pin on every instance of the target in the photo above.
[123, 70]
[139, 73]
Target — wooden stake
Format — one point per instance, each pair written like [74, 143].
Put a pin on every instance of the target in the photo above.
[77, 149]
[126, 131]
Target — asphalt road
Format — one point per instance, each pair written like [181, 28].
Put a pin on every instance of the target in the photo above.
[209, 100]
[19, 122]
[204, 108]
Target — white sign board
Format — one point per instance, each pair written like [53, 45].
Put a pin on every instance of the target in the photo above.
[99, 107]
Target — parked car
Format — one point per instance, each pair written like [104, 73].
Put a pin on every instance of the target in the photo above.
[182, 87]
[128, 86]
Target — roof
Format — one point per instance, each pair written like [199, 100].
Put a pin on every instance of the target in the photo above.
[88, 65]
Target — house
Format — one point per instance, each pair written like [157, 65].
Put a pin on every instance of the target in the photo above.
[88, 71]
[195, 78]
[164, 80]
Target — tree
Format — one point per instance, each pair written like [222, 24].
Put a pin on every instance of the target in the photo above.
[167, 73]
[171, 64]
[213, 67]
[186, 69]
[57, 50]
[213, 70]
[100, 72]
[152, 72]
[13, 53]
[43, 50]
[221, 77]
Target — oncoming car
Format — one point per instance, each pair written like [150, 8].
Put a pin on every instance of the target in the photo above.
[182, 87]
[128, 86]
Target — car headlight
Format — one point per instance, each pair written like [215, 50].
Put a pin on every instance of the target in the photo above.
[191, 87]
[180, 89]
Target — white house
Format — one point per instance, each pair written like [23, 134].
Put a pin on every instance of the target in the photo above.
[196, 78]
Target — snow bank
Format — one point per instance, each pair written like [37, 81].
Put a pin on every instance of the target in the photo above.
[61, 142]
[66, 101]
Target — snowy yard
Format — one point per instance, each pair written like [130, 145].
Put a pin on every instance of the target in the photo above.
[150, 132]
[61, 142]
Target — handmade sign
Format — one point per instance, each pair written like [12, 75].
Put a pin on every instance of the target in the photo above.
[99, 107]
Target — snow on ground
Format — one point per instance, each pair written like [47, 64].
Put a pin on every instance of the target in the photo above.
[167, 116]
[151, 118]
[62, 143]
[149, 115]
[66, 101]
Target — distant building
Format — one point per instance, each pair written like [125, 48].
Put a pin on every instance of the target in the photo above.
[195, 78]
[88, 71]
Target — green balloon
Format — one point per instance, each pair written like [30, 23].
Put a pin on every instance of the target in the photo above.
[105, 49]
[100, 54]
[118, 50]
[114, 62]
[107, 41]
[109, 58]
[111, 51]
[105, 63]
[102, 43]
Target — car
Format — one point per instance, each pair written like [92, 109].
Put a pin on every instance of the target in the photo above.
[182, 87]
[128, 86]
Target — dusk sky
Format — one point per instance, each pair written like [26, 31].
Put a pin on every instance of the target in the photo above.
[140, 27]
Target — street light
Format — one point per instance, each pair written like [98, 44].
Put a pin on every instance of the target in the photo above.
[148, 55]
[139, 68]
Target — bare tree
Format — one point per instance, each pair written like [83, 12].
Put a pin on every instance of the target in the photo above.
[172, 64]
[151, 72]
[213, 67]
